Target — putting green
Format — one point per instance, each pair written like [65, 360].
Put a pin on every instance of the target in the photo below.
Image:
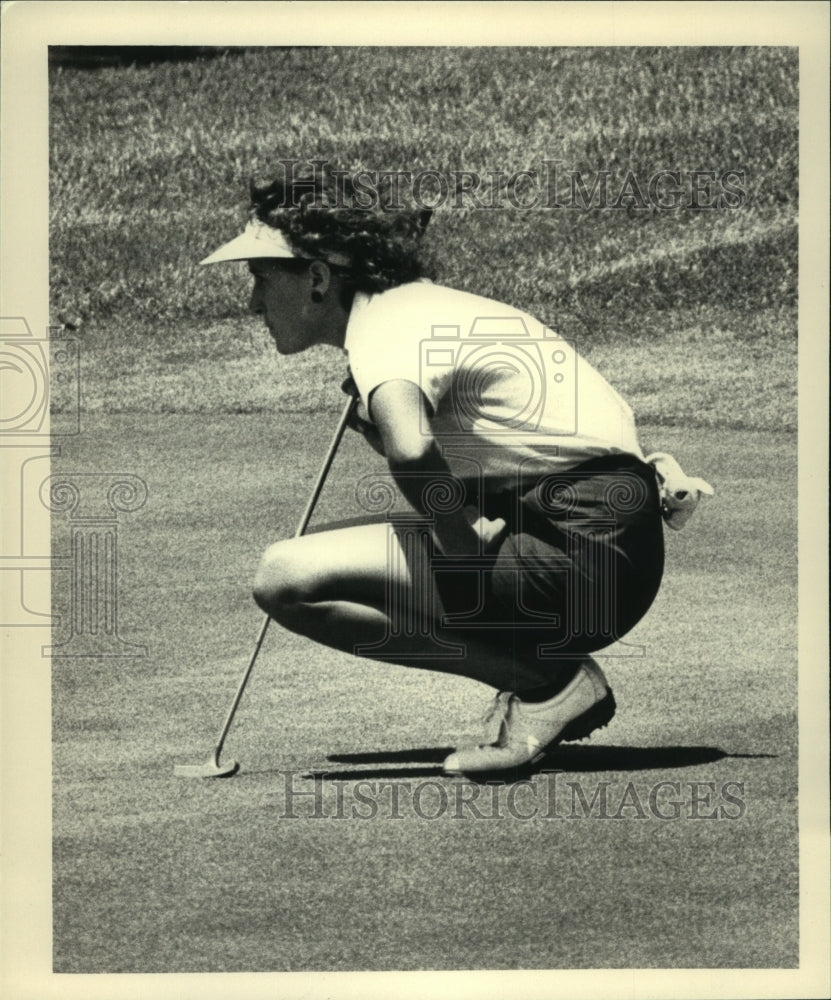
[587, 865]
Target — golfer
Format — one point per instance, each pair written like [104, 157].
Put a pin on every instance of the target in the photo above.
[537, 537]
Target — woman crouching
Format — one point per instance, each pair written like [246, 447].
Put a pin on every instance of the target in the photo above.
[533, 535]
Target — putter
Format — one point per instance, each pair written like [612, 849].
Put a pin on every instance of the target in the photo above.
[212, 767]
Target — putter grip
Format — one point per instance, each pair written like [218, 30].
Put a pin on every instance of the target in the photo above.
[327, 464]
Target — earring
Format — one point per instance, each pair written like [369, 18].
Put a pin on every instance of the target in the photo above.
[317, 295]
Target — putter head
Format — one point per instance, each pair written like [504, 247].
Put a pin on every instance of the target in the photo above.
[210, 769]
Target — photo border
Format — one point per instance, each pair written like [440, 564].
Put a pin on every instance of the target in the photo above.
[28, 29]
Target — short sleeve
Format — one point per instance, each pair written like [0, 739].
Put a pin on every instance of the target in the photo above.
[388, 337]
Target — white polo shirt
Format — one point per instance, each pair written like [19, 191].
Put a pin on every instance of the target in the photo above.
[506, 393]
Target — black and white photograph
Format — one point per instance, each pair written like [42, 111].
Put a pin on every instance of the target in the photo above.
[414, 448]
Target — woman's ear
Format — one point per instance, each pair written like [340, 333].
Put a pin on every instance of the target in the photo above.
[320, 278]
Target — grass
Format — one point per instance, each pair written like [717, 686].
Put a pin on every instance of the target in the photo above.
[150, 165]
[156, 874]
[690, 313]
[677, 370]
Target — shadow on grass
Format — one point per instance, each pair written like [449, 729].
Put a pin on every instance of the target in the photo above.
[566, 759]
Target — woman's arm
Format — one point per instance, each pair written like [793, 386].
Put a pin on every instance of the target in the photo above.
[399, 411]
[368, 431]
[359, 418]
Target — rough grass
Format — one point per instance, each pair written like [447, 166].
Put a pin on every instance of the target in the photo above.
[150, 166]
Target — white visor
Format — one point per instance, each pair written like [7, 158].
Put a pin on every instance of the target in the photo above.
[257, 240]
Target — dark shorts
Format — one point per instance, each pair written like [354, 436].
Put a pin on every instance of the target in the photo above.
[580, 565]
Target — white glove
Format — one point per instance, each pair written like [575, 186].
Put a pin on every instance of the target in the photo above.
[680, 493]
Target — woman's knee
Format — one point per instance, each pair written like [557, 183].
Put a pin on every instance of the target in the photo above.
[283, 579]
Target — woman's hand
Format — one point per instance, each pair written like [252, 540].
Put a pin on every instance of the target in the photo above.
[367, 430]
[491, 532]
[415, 458]
[471, 535]
[359, 419]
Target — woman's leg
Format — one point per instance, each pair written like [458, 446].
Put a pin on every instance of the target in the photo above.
[367, 590]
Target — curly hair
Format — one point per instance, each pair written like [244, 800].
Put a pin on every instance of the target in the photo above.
[375, 249]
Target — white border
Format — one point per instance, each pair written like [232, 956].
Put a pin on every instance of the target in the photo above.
[28, 28]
